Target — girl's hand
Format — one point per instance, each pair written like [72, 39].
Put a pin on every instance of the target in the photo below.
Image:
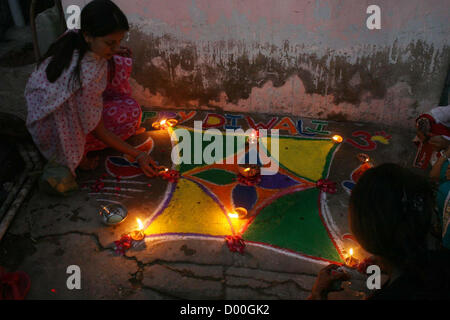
[155, 166]
[447, 152]
[144, 161]
[438, 143]
[124, 52]
[325, 280]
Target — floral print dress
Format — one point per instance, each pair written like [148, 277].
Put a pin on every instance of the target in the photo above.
[61, 120]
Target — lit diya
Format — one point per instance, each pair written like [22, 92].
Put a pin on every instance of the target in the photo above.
[253, 138]
[164, 124]
[365, 165]
[351, 261]
[363, 157]
[138, 234]
[337, 138]
[249, 170]
[169, 175]
[164, 171]
[238, 213]
[249, 174]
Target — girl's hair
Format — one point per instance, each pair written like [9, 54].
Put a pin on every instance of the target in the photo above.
[390, 214]
[98, 19]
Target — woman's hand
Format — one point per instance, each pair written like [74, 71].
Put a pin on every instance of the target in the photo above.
[147, 165]
[324, 281]
[447, 152]
[124, 52]
[439, 143]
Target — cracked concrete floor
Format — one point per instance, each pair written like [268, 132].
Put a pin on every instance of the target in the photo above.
[161, 270]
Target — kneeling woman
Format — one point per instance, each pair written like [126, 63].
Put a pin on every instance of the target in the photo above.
[78, 97]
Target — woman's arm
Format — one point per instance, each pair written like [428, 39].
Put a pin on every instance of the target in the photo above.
[112, 140]
[435, 172]
[436, 169]
[324, 282]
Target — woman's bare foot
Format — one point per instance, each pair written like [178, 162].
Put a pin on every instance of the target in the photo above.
[89, 164]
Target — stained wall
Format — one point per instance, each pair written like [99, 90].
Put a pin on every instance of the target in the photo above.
[313, 58]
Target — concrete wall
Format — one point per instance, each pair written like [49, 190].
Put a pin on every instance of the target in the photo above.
[313, 58]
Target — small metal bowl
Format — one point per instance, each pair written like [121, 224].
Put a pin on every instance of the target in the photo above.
[113, 214]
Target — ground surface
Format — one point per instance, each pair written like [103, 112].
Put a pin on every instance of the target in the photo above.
[293, 229]
[16, 58]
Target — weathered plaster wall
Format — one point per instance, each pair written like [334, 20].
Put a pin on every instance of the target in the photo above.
[311, 58]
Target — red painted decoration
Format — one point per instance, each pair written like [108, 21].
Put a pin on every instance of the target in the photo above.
[261, 125]
[123, 244]
[235, 243]
[369, 145]
[327, 186]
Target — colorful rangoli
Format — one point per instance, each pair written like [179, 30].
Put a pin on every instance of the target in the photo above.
[287, 211]
[284, 209]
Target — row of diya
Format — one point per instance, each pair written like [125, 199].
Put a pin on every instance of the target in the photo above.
[165, 124]
[138, 235]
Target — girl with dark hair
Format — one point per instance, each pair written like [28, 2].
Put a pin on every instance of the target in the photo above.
[79, 96]
[390, 216]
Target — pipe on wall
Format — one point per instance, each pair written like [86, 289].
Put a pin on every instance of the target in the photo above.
[16, 13]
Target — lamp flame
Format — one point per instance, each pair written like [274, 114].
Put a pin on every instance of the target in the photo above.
[351, 252]
[141, 225]
[338, 138]
[247, 170]
[233, 215]
[163, 122]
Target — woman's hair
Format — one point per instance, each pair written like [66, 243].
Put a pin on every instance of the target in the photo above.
[98, 19]
[390, 214]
